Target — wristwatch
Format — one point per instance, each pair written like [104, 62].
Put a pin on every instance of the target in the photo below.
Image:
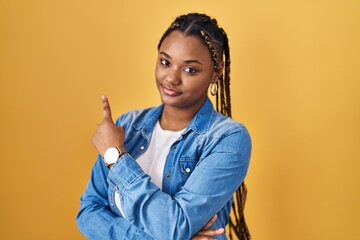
[112, 154]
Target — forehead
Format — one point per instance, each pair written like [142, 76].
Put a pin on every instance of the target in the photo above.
[178, 45]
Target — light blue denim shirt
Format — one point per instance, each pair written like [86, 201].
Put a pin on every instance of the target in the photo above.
[202, 171]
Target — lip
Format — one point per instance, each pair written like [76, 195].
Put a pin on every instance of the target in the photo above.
[170, 91]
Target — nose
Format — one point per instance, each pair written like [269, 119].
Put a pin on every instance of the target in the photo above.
[173, 76]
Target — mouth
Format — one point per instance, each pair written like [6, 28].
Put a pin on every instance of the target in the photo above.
[170, 91]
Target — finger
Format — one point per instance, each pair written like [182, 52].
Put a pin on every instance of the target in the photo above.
[211, 232]
[212, 220]
[106, 108]
[198, 237]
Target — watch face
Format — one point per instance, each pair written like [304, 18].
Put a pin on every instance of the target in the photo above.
[111, 155]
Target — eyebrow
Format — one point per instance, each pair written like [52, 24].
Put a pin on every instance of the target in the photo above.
[186, 61]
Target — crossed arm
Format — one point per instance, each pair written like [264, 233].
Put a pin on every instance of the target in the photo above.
[97, 221]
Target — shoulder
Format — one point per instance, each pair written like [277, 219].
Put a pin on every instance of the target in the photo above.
[225, 135]
[223, 126]
[228, 139]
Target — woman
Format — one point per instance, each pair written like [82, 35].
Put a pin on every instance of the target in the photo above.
[168, 170]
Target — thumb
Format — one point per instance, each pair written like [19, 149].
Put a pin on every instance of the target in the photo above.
[106, 108]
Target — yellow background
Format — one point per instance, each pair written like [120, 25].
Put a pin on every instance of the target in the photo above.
[295, 84]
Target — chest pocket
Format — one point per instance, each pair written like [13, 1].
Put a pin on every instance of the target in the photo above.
[187, 166]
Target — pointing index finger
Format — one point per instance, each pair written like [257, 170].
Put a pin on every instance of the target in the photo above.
[106, 108]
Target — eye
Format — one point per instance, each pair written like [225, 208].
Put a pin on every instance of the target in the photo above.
[164, 62]
[190, 70]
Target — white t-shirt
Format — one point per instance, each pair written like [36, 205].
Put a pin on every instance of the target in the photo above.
[152, 161]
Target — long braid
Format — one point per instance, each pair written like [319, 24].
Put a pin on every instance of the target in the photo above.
[215, 38]
[238, 226]
[220, 82]
[216, 65]
[226, 78]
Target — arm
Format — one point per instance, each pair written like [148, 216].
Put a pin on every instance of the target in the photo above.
[97, 221]
[95, 218]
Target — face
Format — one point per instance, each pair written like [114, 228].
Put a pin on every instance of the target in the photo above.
[184, 71]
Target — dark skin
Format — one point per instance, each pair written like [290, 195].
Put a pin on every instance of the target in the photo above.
[184, 71]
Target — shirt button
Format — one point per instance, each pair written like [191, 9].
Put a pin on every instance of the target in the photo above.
[112, 204]
[168, 175]
[142, 147]
[188, 170]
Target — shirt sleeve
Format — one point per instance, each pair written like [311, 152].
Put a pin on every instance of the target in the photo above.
[208, 189]
[95, 218]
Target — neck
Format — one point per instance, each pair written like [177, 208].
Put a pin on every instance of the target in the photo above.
[175, 119]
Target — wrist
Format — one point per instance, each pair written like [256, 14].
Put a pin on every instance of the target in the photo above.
[113, 154]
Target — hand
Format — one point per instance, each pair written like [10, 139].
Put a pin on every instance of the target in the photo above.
[206, 234]
[107, 134]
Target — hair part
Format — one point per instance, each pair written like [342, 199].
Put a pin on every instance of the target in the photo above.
[215, 38]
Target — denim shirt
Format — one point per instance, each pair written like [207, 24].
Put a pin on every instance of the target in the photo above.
[203, 169]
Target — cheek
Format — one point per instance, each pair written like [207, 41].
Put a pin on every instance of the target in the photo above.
[158, 73]
[159, 76]
[198, 86]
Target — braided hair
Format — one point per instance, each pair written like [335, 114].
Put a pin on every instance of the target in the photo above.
[207, 30]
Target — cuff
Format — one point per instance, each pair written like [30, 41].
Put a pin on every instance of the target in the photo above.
[125, 171]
